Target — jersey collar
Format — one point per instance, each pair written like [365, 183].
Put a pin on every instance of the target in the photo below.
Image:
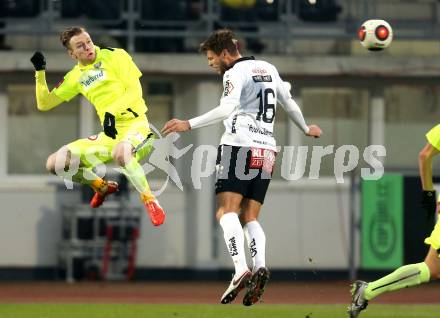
[241, 59]
[97, 58]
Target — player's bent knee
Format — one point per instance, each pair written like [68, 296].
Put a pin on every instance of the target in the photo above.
[426, 153]
[122, 156]
[120, 159]
[423, 155]
[50, 163]
[61, 160]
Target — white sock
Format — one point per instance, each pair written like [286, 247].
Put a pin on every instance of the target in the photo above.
[234, 239]
[256, 240]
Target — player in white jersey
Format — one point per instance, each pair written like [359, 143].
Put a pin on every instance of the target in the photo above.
[246, 153]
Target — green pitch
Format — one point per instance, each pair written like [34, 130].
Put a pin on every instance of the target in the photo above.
[209, 311]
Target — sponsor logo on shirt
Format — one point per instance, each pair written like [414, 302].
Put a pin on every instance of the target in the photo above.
[262, 131]
[234, 122]
[259, 71]
[228, 88]
[88, 79]
[259, 142]
[262, 158]
[262, 78]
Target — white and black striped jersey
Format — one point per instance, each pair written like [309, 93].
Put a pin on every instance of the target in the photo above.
[251, 89]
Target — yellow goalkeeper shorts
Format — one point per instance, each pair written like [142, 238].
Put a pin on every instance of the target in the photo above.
[97, 149]
[433, 137]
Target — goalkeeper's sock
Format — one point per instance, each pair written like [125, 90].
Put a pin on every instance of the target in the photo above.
[87, 177]
[234, 239]
[99, 185]
[405, 276]
[134, 172]
[256, 240]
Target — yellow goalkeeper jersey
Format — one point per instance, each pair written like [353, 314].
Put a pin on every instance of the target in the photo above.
[104, 83]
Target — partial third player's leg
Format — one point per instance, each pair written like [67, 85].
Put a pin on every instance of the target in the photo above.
[414, 274]
[403, 277]
[256, 241]
[227, 215]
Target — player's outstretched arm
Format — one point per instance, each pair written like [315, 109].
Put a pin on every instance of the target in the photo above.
[215, 115]
[175, 125]
[45, 100]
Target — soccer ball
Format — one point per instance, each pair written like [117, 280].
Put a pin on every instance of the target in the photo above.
[375, 35]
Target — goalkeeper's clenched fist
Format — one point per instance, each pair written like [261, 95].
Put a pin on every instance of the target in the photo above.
[38, 61]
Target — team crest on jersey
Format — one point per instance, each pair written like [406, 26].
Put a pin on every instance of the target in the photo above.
[97, 65]
[228, 88]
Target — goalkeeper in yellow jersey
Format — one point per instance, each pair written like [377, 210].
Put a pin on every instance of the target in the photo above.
[109, 79]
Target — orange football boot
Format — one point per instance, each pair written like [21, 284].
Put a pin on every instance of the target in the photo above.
[155, 211]
[100, 195]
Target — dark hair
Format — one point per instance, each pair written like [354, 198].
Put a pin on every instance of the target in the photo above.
[220, 40]
[70, 32]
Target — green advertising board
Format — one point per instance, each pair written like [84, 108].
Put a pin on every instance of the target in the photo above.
[382, 222]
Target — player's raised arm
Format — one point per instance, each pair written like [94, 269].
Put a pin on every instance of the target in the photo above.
[45, 100]
[294, 112]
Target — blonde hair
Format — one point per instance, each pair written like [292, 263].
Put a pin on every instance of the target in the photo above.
[69, 33]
